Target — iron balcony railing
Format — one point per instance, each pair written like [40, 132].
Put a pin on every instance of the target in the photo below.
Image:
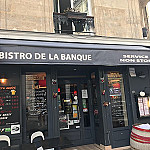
[71, 22]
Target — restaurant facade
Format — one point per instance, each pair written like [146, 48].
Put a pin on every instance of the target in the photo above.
[77, 92]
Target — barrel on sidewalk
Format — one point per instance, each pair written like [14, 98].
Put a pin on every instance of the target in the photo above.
[140, 138]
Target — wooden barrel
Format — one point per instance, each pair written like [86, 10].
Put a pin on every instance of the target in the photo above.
[140, 138]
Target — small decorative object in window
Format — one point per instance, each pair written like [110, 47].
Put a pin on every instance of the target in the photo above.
[142, 93]
[106, 104]
[103, 92]
[54, 81]
[102, 80]
[54, 95]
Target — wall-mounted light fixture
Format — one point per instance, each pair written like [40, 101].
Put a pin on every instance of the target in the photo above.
[3, 78]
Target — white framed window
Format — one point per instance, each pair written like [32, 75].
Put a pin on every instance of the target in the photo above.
[83, 6]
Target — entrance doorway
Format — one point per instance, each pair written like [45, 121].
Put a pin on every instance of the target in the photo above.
[75, 112]
[117, 108]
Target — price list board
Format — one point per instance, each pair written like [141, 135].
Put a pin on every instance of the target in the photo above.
[117, 107]
[143, 104]
[9, 105]
[37, 102]
[40, 101]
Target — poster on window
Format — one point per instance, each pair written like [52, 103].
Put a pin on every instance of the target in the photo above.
[143, 104]
[75, 111]
[84, 93]
[63, 120]
[15, 129]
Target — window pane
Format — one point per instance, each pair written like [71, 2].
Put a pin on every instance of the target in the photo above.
[144, 106]
[81, 5]
[85, 105]
[36, 102]
[69, 116]
[117, 96]
[95, 100]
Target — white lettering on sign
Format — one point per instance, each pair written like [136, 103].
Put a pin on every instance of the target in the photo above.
[55, 57]
[79, 57]
[135, 56]
[44, 56]
[135, 59]
[127, 60]
[40, 56]
[15, 55]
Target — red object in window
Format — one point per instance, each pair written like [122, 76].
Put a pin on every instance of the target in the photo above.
[42, 83]
[116, 85]
[75, 92]
[103, 92]
[58, 89]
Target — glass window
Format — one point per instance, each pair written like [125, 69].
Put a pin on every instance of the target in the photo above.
[94, 100]
[9, 98]
[36, 102]
[85, 105]
[117, 97]
[69, 116]
[80, 5]
[74, 5]
[144, 106]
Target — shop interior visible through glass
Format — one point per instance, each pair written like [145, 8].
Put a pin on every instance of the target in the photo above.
[36, 102]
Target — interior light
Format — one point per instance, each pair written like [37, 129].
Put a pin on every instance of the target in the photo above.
[3, 80]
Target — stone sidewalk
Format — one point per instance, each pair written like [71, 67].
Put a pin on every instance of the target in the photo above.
[84, 147]
[94, 147]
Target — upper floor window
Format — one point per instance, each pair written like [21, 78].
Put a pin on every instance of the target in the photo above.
[146, 20]
[73, 16]
[82, 6]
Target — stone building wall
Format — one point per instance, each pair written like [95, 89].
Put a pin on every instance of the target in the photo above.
[119, 18]
[26, 15]
[112, 18]
[144, 16]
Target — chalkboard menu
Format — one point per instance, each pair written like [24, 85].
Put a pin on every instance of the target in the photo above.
[117, 107]
[117, 99]
[9, 105]
[39, 102]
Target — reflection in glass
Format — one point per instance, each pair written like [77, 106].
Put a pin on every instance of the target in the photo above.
[68, 106]
[36, 102]
[80, 6]
[117, 96]
[85, 105]
[144, 106]
[95, 100]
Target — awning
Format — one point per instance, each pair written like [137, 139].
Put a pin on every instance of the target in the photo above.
[38, 52]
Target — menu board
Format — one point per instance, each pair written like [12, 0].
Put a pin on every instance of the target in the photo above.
[9, 105]
[37, 103]
[143, 104]
[117, 98]
[40, 101]
[117, 107]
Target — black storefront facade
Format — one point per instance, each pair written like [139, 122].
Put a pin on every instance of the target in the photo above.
[78, 93]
